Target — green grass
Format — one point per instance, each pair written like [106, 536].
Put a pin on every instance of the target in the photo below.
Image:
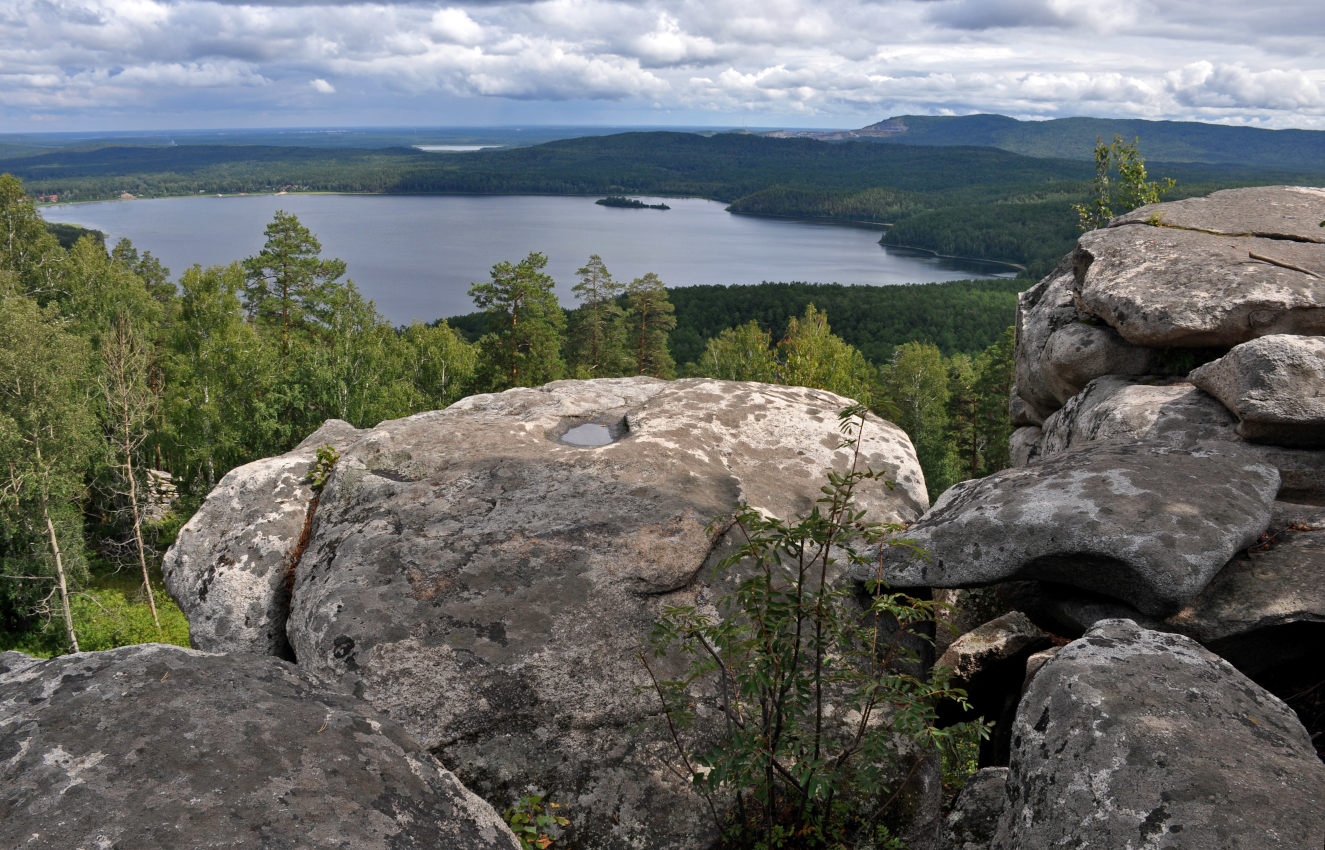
[111, 611]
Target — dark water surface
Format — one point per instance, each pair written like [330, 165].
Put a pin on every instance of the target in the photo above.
[416, 256]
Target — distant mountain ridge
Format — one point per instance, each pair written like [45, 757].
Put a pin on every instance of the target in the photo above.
[1074, 138]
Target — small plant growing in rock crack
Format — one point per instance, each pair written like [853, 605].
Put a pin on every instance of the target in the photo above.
[826, 714]
[534, 822]
[321, 469]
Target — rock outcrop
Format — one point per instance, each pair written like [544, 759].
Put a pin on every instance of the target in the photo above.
[1169, 374]
[232, 570]
[1136, 738]
[157, 748]
[489, 585]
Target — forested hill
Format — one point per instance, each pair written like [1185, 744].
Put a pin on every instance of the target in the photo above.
[979, 202]
[1073, 138]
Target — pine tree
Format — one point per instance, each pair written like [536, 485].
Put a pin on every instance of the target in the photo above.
[522, 347]
[288, 284]
[650, 317]
[595, 342]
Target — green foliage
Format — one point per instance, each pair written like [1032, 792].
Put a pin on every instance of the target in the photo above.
[742, 353]
[112, 611]
[522, 347]
[825, 712]
[535, 822]
[595, 342]
[287, 284]
[962, 315]
[320, 471]
[810, 355]
[915, 396]
[650, 317]
[1124, 192]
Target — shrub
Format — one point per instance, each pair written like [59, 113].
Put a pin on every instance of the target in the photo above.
[826, 712]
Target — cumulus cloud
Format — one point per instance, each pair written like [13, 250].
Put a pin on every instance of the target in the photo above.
[821, 62]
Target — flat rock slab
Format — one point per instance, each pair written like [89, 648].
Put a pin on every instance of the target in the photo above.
[1134, 738]
[1278, 582]
[229, 570]
[1276, 387]
[1164, 286]
[489, 585]
[155, 747]
[1149, 524]
[1271, 212]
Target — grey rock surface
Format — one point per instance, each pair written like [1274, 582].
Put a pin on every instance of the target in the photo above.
[1118, 408]
[489, 585]
[1148, 524]
[230, 568]
[155, 747]
[989, 664]
[1078, 353]
[1041, 311]
[1270, 212]
[1168, 287]
[975, 813]
[1129, 738]
[1276, 387]
[1278, 583]
[1166, 411]
[1024, 445]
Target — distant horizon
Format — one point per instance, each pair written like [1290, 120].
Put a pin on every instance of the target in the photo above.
[545, 126]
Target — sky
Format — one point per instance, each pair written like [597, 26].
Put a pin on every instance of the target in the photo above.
[199, 64]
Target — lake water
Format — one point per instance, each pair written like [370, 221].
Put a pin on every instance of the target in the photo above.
[416, 256]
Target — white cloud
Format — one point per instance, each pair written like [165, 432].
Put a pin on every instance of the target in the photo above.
[837, 62]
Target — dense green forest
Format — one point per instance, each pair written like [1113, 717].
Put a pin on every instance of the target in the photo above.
[966, 201]
[126, 392]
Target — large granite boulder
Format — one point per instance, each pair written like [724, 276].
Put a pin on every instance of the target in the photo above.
[489, 584]
[1275, 385]
[1168, 411]
[1119, 409]
[230, 569]
[155, 747]
[1210, 272]
[1149, 524]
[1135, 738]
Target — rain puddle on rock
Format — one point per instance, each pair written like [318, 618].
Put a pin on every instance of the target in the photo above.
[588, 434]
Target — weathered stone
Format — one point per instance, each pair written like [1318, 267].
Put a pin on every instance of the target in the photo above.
[1164, 286]
[989, 663]
[1148, 524]
[1020, 413]
[1116, 408]
[1078, 353]
[1041, 311]
[1175, 413]
[1252, 608]
[1024, 446]
[230, 567]
[1272, 212]
[1275, 385]
[1134, 738]
[155, 747]
[489, 585]
[974, 817]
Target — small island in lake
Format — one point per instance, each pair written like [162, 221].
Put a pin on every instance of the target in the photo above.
[629, 203]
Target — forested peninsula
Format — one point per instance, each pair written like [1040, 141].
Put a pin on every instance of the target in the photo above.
[976, 187]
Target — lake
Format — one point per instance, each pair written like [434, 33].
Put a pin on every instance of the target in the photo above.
[415, 256]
